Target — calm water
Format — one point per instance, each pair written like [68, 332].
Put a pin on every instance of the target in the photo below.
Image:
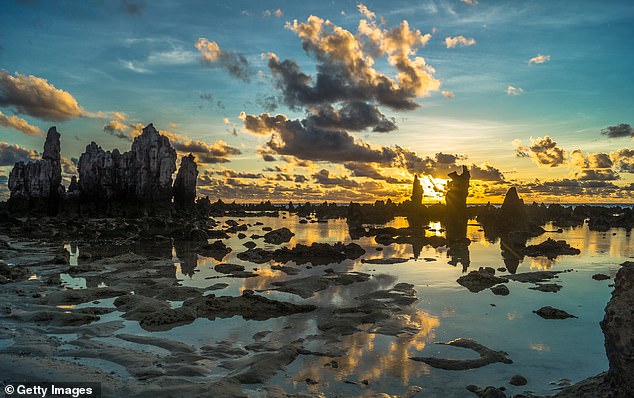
[544, 351]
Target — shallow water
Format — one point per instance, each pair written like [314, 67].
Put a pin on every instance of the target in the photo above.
[543, 351]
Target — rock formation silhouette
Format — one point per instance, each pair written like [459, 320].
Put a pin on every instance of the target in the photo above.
[144, 174]
[456, 198]
[38, 183]
[417, 192]
[130, 183]
[185, 182]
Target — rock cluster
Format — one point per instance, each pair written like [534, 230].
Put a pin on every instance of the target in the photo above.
[107, 179]
[143, 174]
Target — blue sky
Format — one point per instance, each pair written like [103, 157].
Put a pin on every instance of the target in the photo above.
[138, 59]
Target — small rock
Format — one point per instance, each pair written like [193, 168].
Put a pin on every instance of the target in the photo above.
[553, 313]
[518, 380]
[500, 290]
[600, 277]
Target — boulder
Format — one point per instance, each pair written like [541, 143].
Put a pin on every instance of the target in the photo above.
[278, 236]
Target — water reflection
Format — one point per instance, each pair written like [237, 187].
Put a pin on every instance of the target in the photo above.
[384, 359]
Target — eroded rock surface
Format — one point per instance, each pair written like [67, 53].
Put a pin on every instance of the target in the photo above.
[144, 173]
[185, 182]
[39, 180]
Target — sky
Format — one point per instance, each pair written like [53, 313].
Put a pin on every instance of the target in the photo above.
[339, 101]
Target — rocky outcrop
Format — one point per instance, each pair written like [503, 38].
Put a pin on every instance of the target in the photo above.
[144, 174]
[417, 192]
[278, 236]
[513, 208]
[458, 190]
[40, 180]
[185, 182]
[618, 329]
[456, 218]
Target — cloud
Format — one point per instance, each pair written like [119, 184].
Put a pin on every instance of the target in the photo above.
[345, 65]
[36, 97]
[597, 175]
[310, 142]
[19, 124]
[623, 160]
[510, 90]
[11, 153]
[234, 63]
[323, 177]
[460, 41]
[267, 154]
[228, 173]
[592, 161]
[544, 151]
[471, 2]
[618, 131]
[485, 172]
[218, 152]
[448, 94]
[369, 171]
[134, 66]
[539, 59]
[133, 7]
[355, 116]
[365, 11]
[278, 13]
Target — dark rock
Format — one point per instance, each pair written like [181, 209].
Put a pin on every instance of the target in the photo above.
[11, 273]
[518, 380]
[600, 277]
[551, 248]
[513, 209]
[317, 253]
[486, 392]
[618, 328]
[249, 244]
[144, 174]
[278, 236]
[481, 279]
[392, 260]
[500, 290]
[546, 287]
[38, 181]
[553, 313]
[217, 250]
[234, 270]
[196, 235]
[534, 277]
[185, 182]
